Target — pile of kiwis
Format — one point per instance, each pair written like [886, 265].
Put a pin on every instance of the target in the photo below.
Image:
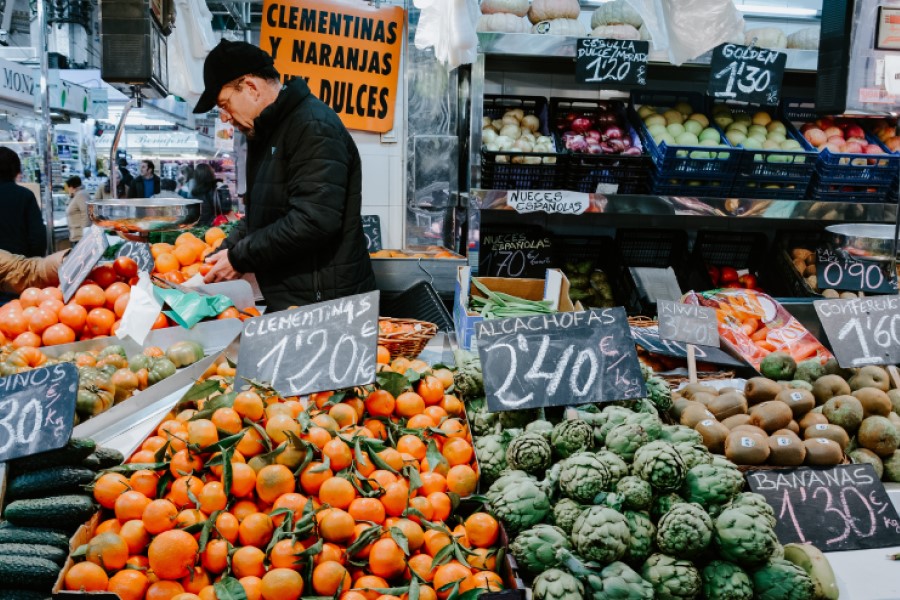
[829, 419]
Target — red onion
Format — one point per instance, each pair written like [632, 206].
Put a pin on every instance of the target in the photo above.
[593, 134]
[607, 148]
[577, 143]
[613, 132]
[581, 124]
[596, 149]
[627, 141]
[616, 145]
[632, 151]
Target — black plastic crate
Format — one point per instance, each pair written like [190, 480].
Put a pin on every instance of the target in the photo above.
[653, 247]
[420, 301]
[737, 249]
[684, 161]
[681, 185]
[585, 172]
[778, 189]
[603, 254]
[793, 282]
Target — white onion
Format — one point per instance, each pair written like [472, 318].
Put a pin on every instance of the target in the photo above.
[532, 160]
[492, 147]
[509, 119]
[511, 131]
[504, 142]
[527, 135]
[497, 124]
[523, 145]
[531, 122]
[517, 112]
[543, 139]
[488, 135]
[485, 122]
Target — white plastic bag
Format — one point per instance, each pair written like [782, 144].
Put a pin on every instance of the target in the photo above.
[142, 310]
[448, 26]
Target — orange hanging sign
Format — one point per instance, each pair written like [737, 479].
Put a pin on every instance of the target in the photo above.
[348, 53]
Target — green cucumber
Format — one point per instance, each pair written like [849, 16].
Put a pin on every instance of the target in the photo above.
[28, 572]
[12, 534]
[71, 454]
[37, 550]
[55, 480]
[71, 510]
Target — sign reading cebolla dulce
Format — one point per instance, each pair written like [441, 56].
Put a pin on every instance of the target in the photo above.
[348, 53]
[548, 201]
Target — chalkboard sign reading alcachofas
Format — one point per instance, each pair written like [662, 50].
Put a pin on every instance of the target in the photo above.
[559, 359]
[81, 260]
[611, 62]
[840, 508]
[324, 346]
[746, 74]
[37, 410]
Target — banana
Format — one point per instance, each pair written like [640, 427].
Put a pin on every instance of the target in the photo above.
[810, 559]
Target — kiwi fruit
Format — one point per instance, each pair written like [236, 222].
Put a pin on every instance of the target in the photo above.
[694, 414]
[874, 401]
[895, 419]
[832, 432]
[690, 389]
[800, 385]
[714, 434]
[794, 427]
[771, 415]
[729, 390]
[871, 376]
[833, 368]
[750, 429]
[846, 411]
[704, 398]
[799, 401]
[760, 389]
[728, 405]
[879, 435]
[862, 456]
[823, 452]
[894, 395]
[786, 449]
[746, 448]
[734, 421]
[829, 386]
[680, 405]
[812, 418]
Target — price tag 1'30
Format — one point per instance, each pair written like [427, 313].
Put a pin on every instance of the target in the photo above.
[746, 74]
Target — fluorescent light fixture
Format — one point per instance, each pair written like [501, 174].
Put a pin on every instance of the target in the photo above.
[786, 11]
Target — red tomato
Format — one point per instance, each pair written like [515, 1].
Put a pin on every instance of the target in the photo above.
[104, 275]
[125, 267]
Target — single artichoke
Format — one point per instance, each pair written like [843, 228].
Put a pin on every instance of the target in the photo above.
[671, 579]
[659, 464]
[535, 548]
[725, 581]
[518, 419]
[618, 581]
[565, 513]
[617, 467]
[529, 452]
[571, 436]
[636, 493]
[744, 538]
[491, 453]
[613, 420]
[750, 500]
[679, 434]
[663, 504]
[518, 501]
[467, 378]
[782, 580]
[540, 426]
[582, 476]
[642, 532]
[601, 534]
[482, 421]
[693, 454]
[554, 584]
[709, 484]
[659, 393]
[625, 439]
[651, 424]
[685, 531]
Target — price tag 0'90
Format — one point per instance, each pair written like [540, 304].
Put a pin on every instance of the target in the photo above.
[839, 271]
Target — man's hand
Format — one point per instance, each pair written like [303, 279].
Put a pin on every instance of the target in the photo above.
[222, 269]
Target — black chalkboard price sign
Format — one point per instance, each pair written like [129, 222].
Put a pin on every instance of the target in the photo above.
[81, 260]
[687, 323]
[515, 254]
[372, 230]
[840, 271]
[863, 331]
[648, 339]
[324, 346]
[558, 359]
[611, 62]
[839, 508]
[746, 74]
[139, 253]
[37, 409]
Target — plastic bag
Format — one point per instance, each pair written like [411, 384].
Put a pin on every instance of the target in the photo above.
[688, 28]
[189, 309]
[753, 325]
[142, 310]
[448, 26]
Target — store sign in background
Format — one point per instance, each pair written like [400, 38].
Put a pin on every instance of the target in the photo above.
[224, 139]
[18, 82]
[348, 53]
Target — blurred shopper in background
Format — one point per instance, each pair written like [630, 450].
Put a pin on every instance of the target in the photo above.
[76, 209]
[22, 229]
[206, 190]
[147, 183]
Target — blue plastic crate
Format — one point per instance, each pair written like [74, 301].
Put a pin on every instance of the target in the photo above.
[692, 185]
[761, 188]
[820, 189]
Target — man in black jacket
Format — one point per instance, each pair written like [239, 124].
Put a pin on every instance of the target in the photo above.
[147, 184]
[302, 233]
[22, 228]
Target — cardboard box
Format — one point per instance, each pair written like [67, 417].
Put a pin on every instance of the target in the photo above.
[554, 287]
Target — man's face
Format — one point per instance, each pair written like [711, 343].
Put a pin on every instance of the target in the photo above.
[238, 105]
[145, 170]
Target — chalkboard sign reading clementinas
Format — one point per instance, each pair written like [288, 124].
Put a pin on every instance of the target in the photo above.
[81, 260]
[348, 53]
[37, 409]
[840, 508]
[559, 359]
[324, 346]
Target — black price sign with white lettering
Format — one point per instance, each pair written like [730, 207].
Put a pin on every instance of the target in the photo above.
[599, 60]
[515, 254]
[863, 331]
[139, 253]
[315, 348]
[687, 323]
[558, 359]
[839, 508]
[37, 410]
[746, 73]
[648, 339]
[372, 230]
[840, 271]
[81, 260]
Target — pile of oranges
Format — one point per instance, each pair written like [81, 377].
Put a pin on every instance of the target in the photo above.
[349, 495]
[179, 262]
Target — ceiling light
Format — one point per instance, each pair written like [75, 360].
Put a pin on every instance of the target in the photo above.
[763, 10]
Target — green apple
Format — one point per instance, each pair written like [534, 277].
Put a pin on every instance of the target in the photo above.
[756, 131]
[742, 127]
[687, 139]
[645, 111]
[656, 130]
[723, 121]
[693, 126]
[791, 144]
[673, 116]
[701, 118]
[742, 117]
[710, 134]
[777, 126]
[684, 108]
[675, 129]
[667, 138]
[776, 136]
[655, 119]
[771, 145]
[752, 143]
[735, 137]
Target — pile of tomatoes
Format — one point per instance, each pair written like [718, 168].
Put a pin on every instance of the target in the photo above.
[351, 496]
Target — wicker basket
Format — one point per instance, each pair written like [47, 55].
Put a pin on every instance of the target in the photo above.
[406, 343]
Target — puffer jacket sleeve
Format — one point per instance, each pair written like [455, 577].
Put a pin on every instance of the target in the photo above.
[320, 171]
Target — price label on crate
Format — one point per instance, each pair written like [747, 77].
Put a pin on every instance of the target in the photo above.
[514, 254]
[558, 359]
[324, 346]
[372, 230]
[862, 331]
[37, 409]
[746, 74]
[139, 252]
[839, 508]
[611, 62]
[839, 271]
[648, 339]
[81, 260]
[687, 323]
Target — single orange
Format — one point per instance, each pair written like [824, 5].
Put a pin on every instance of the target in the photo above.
[328, 577]
[172, 554]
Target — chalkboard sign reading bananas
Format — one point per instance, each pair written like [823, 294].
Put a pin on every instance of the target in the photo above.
[559, 359]
[611, 62]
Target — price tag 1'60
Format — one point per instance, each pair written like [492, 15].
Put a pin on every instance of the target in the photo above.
[863, 331]
[611, 62]
[746, 74]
